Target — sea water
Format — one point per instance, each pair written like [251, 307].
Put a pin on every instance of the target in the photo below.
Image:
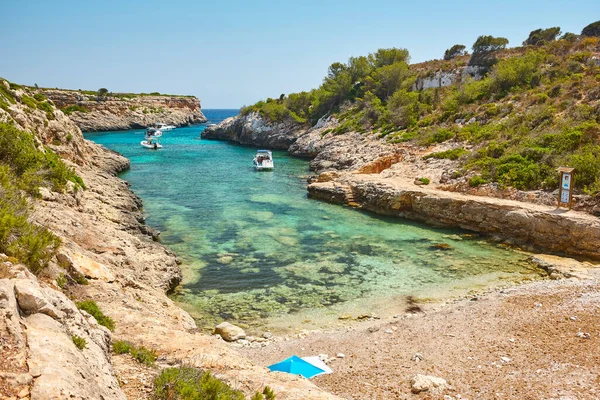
[256, 250]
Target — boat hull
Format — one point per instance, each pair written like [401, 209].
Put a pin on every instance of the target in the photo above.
[151, 146]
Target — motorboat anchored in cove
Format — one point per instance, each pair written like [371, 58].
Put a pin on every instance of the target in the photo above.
[151, 143]
[164, 127]
[263, 160]
[153, 133]
[152, 136]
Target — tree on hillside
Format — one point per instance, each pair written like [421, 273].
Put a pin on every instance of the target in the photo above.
[383, 57]
[541, 36]
[386, 80]
[569, 37]
[455, 51]
[484, 48]
[592, 29]
[102, 92]
[359, 68]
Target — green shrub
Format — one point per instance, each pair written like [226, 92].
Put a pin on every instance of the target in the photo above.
[438, 135]
[424, 181]
[79, 342]
[61, 281]
[29, 102]
[92, 308]
[476, 181]
[80, 279]
[267, 394]
[121, 347]
[39, 97]
[143, 355]
[191, 383]
[31, 244]
[76, 107]
[32, 166]
[453, 154]
[586, 162]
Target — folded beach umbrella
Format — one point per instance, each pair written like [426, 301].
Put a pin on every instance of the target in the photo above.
[297, 366]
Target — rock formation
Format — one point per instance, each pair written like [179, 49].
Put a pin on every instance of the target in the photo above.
[119, 112]
[127, 273]
[251, 129]
[530, 225]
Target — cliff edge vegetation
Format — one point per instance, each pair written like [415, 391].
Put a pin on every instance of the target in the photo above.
[509, 116]
[103, 110]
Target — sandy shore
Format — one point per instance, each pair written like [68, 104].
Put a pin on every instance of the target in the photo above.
[517, 343]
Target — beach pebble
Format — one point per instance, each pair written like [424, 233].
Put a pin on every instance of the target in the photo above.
[505, 359]
[423, 383]
[418, 357]
[583, 335]
[340, 355]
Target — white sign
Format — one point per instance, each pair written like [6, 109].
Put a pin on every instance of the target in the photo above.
[564, 196]
[566, 182]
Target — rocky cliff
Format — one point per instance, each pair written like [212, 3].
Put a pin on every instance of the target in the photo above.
[109, 256]
[326, 150]
[253, 130]
[91, 112]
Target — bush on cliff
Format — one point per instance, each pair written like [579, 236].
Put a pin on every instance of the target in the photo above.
[71, 109]
[30, 244]
[187, 383]
[92, 308]
[23, 169]
[31, 166]
[191, 383]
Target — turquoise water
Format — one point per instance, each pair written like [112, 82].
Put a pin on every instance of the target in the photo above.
[255, 247]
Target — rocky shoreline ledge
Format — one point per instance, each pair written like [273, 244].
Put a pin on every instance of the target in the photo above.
[113, 112]
[117, 264]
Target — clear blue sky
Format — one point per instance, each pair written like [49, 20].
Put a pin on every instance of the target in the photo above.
[234, 53]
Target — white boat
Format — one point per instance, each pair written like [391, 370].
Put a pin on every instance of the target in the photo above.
[164, 127]
[153, 133]
[151, 143]
[263, 160]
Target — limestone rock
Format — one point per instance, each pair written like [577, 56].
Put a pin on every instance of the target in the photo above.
[531, 225]
[31, 299]
[252, 129]
[116, 113]
[559, 267]
[229, 332]
[91, 269]
[427, 383]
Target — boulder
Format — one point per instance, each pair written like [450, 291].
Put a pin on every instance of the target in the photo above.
[91, 269]
[427, 383]
[229, 332]
[31, 299]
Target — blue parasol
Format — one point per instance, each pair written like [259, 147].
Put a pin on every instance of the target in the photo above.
[297, 366]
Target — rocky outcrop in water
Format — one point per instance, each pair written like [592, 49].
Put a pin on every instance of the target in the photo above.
[119, 112]
[252, 129]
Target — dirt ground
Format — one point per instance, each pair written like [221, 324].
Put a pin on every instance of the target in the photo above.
[527, 342]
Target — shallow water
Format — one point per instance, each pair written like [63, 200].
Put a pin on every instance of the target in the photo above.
[255, 247]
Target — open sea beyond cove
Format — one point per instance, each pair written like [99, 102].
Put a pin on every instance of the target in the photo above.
[256, 250]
